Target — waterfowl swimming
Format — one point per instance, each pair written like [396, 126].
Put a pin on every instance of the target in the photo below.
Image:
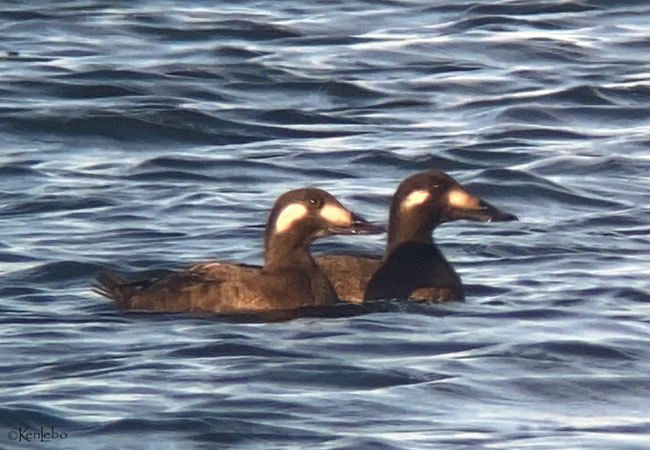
[412, 266]
[289, 278]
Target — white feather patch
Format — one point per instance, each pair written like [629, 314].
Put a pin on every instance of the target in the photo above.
[458, 198]
[416, 198]
[336, 215]
[288, 216]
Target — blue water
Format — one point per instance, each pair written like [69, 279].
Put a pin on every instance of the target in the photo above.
[146, 135]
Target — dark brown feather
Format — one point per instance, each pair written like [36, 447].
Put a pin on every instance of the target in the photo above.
[290, 278]
[349, 274]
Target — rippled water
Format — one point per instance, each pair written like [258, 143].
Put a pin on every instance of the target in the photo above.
[148, 135]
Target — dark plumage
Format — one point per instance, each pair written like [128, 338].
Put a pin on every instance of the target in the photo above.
[289, 279]
[412, 266]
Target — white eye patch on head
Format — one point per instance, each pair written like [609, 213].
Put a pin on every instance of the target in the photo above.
[415, 198]
[288, 216]
[336, 214]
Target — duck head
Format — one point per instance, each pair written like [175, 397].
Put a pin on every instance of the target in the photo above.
[427, 199]
[302, 215]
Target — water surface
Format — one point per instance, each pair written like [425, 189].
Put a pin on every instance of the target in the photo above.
[149, 135]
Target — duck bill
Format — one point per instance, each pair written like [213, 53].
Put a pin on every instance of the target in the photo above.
[468, 207]
[357, 225]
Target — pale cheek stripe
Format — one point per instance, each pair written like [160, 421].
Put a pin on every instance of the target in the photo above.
[415, 198]
[288, 216]
[336, 214]
[461, 199]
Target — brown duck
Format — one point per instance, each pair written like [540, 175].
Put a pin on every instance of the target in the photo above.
[289, 278]
[412, 266]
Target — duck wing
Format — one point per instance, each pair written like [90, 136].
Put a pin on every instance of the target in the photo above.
[349, 274]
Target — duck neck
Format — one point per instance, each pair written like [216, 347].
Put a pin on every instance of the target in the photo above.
[286, 249]
[402, 229]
